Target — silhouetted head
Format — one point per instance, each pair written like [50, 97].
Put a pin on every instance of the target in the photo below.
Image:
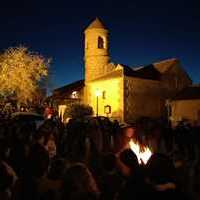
[78, 181]
[129, 158]
[160, 169]
[109, 161]
[38, 161]
[4, 149]
[5, 178]
[57, 169]
[128, 163]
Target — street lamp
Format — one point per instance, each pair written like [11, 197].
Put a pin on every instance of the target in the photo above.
[97, 94]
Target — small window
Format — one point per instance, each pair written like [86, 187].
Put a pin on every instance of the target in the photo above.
[100, 43]
[86, 45]
[104, 94]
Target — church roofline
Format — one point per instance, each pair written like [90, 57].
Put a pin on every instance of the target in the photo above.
[169, 60]
[166, 65]
[112, 74]
[77, 85]
[147, 72]
[96, 24]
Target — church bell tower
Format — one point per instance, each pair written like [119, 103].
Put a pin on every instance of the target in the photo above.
[96, 50]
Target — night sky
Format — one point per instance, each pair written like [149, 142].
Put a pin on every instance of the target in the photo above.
[141, 32]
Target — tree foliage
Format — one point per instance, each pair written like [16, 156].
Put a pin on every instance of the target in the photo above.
[78, 111]
[21, 72]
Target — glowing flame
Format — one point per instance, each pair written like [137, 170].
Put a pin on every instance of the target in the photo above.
[143, 154]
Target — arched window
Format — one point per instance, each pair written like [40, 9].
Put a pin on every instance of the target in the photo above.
[100, 43]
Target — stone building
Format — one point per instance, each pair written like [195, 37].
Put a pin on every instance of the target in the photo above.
[68, 95]
[123, 92]
[186, 105]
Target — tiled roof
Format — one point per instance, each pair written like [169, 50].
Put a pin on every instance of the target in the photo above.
[69, 88]
[146, 72]
[112, 74]
[164, 65]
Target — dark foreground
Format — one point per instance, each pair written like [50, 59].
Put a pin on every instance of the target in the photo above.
[91, 160]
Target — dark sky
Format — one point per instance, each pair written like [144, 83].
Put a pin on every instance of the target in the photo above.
[141, 32]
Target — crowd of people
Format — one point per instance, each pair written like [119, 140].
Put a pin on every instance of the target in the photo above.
[92, 160]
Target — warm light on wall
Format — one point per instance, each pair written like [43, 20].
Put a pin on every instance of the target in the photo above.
[106, 92]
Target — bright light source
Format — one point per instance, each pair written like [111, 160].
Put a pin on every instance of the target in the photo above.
[97, 93]
[143, 155]
[74, 95]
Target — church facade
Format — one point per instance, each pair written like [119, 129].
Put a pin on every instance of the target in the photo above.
[122, 92]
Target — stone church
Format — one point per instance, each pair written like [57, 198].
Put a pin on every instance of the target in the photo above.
[118, 91]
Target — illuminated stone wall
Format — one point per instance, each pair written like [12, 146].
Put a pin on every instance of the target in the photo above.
[129, 97]
[175, 79]
[185, 109]
[96, 59]
[142, 98]
[111, 93]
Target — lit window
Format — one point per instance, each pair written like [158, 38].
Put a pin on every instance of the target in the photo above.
[74, 94]
[104, 94]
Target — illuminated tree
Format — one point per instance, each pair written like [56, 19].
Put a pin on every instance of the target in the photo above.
[21, 73]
